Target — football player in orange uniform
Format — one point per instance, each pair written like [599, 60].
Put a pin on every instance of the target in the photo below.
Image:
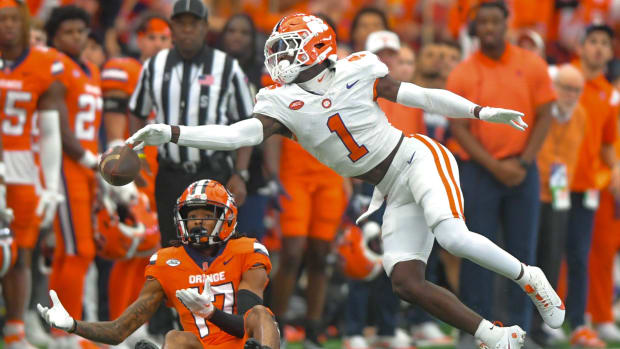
[119, 78]
[27, 85]
[213, 278]
[67, 31]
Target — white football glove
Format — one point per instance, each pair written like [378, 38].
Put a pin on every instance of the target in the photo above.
[57, 316]
[200, 304]
[6, 213]
[153, 134]
[89, 160]
[503, 116]
[46, 208]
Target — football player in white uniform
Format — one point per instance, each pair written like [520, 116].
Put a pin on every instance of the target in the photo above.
[329, 107]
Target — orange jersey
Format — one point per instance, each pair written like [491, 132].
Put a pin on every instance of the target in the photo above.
[182, 267]
[20, 89]
[120, 74]
[601, 101]
[84, 102]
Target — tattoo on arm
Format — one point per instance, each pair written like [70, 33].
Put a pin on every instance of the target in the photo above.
[139, 312]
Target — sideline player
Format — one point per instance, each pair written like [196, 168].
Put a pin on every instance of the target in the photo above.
[229, 271]
[67, 31]
[340, 123]
[119, 78]
[27, 85]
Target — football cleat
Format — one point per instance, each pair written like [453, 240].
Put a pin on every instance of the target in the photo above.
[547, 301]
[512, 338]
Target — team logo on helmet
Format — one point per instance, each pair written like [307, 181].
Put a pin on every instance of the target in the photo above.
[297, 43]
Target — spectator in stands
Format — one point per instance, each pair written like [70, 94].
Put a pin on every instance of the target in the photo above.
[406, 63]
[499, 176]
[556, 163]
[451, 56]
[366, 21]
[386, 45]
[238, 39]
[94, 52]
[596, 161]
[37, 34]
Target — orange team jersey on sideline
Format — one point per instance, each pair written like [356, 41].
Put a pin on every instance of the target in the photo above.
[183, 267]
[601, 101]
[295, 161]
[20, 89]
[123, 74]
[120, 74]
[84, 102]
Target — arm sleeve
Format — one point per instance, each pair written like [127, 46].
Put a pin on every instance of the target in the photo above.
[141, 102]
[244, 133]
[435, 101]
[242, 100]
[51, 148]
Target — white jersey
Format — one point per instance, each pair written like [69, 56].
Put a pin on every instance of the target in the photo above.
[345, 129]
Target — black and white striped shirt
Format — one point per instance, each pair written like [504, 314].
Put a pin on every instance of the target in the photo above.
[209, 89]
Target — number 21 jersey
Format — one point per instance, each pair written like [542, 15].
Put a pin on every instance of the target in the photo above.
[345, 129]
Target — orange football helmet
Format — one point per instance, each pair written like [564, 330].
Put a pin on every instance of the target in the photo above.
[360, 251]
[297, 43]
[213, 196]
[128, 232]
[8, 251]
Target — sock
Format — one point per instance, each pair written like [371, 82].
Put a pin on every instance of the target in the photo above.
[489, 333]
[13, 331]
[524, 280]
[312, 330]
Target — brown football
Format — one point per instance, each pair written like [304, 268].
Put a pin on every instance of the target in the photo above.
[119, 165]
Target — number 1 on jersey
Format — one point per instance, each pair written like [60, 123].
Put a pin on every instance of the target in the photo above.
[335, 124]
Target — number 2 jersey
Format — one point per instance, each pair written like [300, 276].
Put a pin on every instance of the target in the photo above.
[345, 129]
[183, 267]
[84, 102]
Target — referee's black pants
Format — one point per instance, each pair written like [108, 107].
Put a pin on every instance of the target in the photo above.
[170, 182]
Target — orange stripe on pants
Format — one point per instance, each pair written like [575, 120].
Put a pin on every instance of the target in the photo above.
[449, 167]
[605, 245]
[441, 175]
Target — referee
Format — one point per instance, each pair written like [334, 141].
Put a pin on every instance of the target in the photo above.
[192, 84]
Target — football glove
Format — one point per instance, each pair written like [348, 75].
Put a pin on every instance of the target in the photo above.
[200, 304]
[503, 116]
[46, 208]
[57, 316]
[153, 134]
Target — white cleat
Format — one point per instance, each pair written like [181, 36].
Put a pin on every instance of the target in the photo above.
[512, 338]
[547, 301]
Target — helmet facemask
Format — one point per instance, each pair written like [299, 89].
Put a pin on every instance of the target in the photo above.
[198, 234]
[285, 56]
